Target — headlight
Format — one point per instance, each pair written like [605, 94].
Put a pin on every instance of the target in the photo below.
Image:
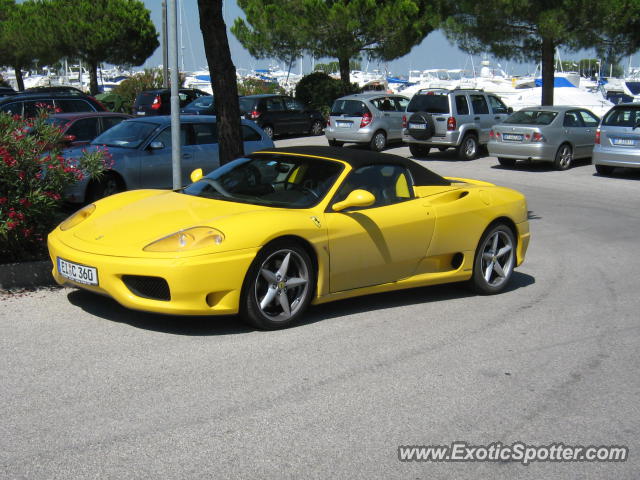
[188, 239]
[77, 217]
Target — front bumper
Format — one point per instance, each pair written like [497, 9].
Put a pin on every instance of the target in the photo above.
[198, 285]
[542, 152]
[616, 156]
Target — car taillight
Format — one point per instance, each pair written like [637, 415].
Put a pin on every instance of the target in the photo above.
[157, 103]
[254, 114]
[366, 119]
[597, 140]
[451, 123]
[537, 137]
[491, 134]
[404, 121]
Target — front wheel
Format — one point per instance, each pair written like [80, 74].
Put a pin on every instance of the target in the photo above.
[378, 141]
[278, 286]
[108, 184]
[268, 129]
[468, 149]
[419, 150]
[494, 261]
[564, 157]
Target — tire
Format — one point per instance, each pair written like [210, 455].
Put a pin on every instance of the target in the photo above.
[108, 184]
[378, 141]
[604, 169]
[316, 128]
[335, 143]
[266, 286]
[443, 149]
[268, 129]
[486, 278]
[564, 157]
[421, 118]
[468, 149]
[418, 150]
[507, 162]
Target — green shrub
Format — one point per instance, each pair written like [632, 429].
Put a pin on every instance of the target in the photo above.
[256, 86]
[33, 177]
[319, 90]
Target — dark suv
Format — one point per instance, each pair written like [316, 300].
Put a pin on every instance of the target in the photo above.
[279, 114]
[158, 101]
[7, 92]
[27, 104]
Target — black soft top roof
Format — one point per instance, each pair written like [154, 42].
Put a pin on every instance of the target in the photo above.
[359, 158]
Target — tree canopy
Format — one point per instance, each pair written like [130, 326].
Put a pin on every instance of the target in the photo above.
[342, 29]
[528, 30]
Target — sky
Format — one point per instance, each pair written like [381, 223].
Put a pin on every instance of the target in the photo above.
[435, 51]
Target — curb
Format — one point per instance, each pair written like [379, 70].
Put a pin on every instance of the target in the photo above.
[26, 275]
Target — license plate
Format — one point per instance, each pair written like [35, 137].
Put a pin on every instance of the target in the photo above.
[78, 273]
[510, 137]
[418, 126]
[624, 141]
[343, 124]
[140, 113]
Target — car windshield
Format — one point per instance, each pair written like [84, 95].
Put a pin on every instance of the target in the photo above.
[126, 134]
[531, 117]
[348, 108]
[430, 102]
[201, 102]
[622, 117]
[269, 179]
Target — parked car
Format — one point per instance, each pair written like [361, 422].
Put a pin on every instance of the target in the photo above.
[268, 234]
[373, 119]
[7, 92]
[81, 128]
[557, 134]
[141, 153]
[460, 118]
[56, 89]
[618, 139]
[281, 114]
[26, 104]
[201, 106]
[158, 101]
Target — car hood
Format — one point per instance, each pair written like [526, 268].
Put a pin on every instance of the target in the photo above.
[124, 224]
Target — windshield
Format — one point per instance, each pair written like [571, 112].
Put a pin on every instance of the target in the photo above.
[430, 102]
[126, 134]
[622, 117]
[348, 108]
[269, 179]
[531, 117]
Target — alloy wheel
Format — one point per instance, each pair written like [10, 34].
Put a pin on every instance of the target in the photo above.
[497, 258]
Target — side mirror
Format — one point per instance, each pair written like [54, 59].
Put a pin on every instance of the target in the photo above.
[510, 110]
[357, 198]
[156, 146]
[196, 175]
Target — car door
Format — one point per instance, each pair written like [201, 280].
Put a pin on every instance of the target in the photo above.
[590, 124]
[206, 152]
[481, 116]
[276, 115]
[299, 119]
[399, 106]
[498, 109]
[381, 243]
[155, 167]
[573, 130]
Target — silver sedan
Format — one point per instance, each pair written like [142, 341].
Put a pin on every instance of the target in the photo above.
[557, 134]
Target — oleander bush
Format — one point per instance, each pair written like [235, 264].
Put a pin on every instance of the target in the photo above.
[33, 177]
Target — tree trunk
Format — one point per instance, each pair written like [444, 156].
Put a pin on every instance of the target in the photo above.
[223, 79]
[345, 73]
[93, 78]
[19, 79]
[548, 70]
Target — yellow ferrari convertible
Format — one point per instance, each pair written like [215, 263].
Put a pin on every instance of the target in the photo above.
[268, 234]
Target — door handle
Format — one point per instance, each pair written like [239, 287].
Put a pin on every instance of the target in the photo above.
[186, 155]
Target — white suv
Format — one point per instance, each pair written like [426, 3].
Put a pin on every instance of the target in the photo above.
[457, 118]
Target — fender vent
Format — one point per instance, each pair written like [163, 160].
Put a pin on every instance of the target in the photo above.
[456, 260]
[155, 288]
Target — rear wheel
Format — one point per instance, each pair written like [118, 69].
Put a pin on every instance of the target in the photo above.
[378, 141]
[108, 184]
[278, 286]
[316, 128]
[507, 162]
[564, 157]
[604, 169]
[494, 261]
[418, 150]
[268, 129]
[468, 149]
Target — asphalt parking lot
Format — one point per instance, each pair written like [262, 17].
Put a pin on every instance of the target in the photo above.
[92, 390]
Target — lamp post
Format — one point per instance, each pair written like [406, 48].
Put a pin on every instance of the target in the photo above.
[175, 101]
